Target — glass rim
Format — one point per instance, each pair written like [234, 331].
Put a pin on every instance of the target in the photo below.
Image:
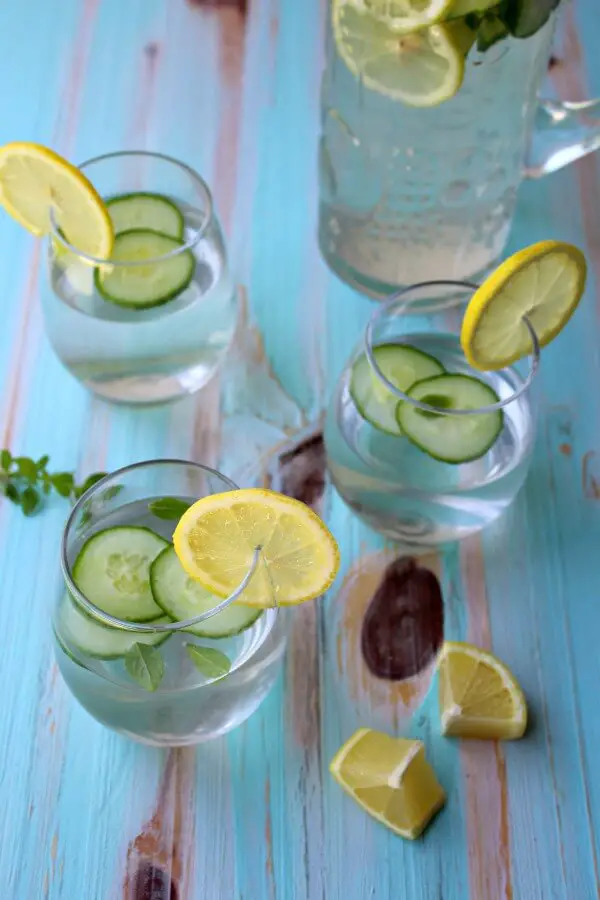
[151, 627]
[56, 234]
[399, 299]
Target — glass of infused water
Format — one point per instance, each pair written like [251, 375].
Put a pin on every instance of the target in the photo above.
[420, 445]
[154, 321]
[144, 648]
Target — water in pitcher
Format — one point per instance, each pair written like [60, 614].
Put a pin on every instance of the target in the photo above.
[412, 194]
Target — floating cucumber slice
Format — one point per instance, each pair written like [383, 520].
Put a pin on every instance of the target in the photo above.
[182, 598]
[142, 287]
[113, 572]
[451, 439]
[148, 211]
[401, 364]
[75, 628]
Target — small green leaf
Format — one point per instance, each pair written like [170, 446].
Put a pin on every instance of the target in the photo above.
[168, 507]
[491, 30]
[212, 663]
[12, 493]
[30, 501]
[111, 492]
[89, 482]
[42, 463]
[62, 483]
[86, 516]
[26, 468]
[145, 665]
[5, 459]
[523, 18]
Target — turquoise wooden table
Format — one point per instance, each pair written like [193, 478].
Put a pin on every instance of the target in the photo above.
[232, 89]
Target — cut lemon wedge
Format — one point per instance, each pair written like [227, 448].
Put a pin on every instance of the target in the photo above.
[421, 68]
[36, 181]
[391, 779]
[217, 537]
[544, 283]
[406, 15]
[479, 696]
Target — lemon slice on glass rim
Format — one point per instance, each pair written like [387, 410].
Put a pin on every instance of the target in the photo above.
[43, 191]
[542, 283]
[419, 68]
[216, 541]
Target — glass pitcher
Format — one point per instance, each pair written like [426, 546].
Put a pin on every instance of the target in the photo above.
[412, 193]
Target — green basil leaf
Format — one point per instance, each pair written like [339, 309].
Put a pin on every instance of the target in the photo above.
[212, 663]
[168, 507]
[26, 468]
[30, 501]
[145, 665]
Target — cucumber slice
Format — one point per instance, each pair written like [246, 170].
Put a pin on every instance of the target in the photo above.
[401, 364]
[182, 598]
[75, 628]
[142, 287]
[113, 572]
[144, 210]
[451, 439]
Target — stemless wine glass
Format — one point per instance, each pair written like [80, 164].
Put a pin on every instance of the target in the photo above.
[153, 322]
[421, 446]
[164, 679]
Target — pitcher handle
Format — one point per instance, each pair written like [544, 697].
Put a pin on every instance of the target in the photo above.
[563, 132]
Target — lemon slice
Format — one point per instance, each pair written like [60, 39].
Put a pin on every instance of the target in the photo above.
[422, 68]
[479, 696]
[35, 181]
[391, 779]
[543, 282]
[459, 8]
[216, 539]
[406, 15]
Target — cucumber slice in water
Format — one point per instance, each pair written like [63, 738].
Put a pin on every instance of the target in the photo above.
[142, 287]
[401, 364]
[113, 572]
[77, 629]
[451, 439]
[143, 210]
[182, 598]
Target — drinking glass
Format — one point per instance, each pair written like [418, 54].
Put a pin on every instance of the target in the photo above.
[161, 682]
[166, 346]
[387, 478]
[409, 194]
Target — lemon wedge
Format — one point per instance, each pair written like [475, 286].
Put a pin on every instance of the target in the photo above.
[391, 779]
[216, 540]
[479, 696]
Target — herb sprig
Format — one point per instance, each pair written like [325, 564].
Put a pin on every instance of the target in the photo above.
[26, 482]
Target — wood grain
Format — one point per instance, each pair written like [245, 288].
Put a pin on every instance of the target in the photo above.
[233, 89]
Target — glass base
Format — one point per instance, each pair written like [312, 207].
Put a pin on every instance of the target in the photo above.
[380, 291]
[146, 390]
[203, 735]
[416, 534]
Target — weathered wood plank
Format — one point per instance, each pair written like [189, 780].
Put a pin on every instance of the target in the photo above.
[232, 89]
